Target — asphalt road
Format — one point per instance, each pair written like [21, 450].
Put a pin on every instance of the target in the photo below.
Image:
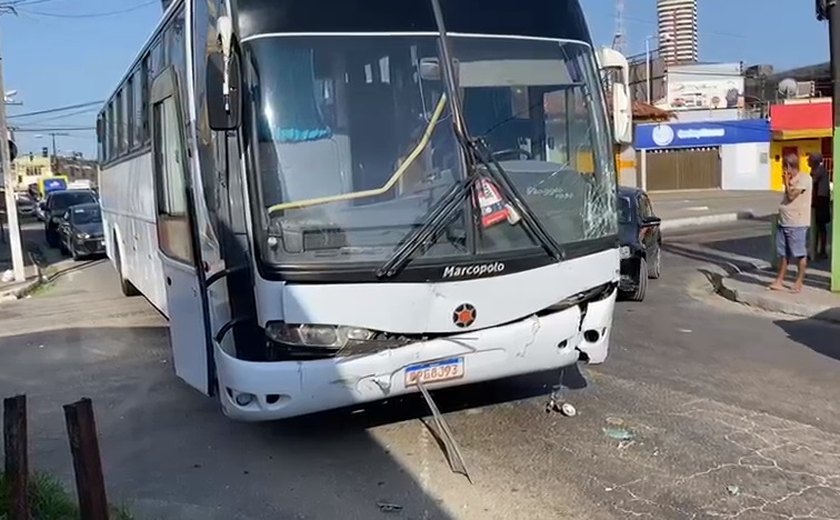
[726, 413]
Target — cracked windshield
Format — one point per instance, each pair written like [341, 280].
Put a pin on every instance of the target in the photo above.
[419, 260]
[356, 146]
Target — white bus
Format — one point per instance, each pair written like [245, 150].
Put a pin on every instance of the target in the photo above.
[335, 203]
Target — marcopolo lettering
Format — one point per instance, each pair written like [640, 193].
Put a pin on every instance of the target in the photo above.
[475, 270]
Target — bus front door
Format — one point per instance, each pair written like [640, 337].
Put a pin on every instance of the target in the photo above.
[186, 296]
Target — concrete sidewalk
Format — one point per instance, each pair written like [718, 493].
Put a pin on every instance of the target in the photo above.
[745, 252]
[815, 301]
[48, 262]
[681, 209]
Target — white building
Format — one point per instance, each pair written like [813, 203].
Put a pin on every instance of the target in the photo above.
[677, 30]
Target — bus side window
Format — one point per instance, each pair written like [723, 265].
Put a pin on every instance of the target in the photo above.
[174, 234]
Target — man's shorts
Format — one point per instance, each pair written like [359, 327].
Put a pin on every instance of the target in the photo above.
[792, 242]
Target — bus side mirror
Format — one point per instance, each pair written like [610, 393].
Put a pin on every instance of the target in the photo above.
[224, 108]
[622, 114]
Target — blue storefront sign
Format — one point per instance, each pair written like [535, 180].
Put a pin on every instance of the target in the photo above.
[702, 134]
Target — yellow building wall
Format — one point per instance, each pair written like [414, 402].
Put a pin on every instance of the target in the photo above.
[803, 148]
[29, 170]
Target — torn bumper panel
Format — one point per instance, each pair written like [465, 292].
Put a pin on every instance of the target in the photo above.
[258, 391]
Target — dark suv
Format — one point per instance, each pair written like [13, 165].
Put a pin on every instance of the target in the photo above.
[54, 207]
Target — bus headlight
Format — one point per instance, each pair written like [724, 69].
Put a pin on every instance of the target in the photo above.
[624, 252]
[311, 335]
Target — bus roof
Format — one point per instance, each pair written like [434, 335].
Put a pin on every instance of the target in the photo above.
[562, 19]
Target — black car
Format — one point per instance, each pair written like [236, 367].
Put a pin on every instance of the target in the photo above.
[56, 205]
[80, 231]
[641, 243]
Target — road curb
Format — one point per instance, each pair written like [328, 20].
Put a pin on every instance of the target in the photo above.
[28, 287]
[726, 289]
[724, 284]
[709, 220]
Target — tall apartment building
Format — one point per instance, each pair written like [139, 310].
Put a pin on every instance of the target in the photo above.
[677, 30]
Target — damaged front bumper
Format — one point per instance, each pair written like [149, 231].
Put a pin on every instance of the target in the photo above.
[259, 391]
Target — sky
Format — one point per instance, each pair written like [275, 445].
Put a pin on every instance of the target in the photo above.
[67, 52]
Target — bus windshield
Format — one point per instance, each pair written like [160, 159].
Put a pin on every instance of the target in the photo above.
[353, 143]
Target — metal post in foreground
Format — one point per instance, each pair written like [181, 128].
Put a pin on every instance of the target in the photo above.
[833, 11]
[17, 456]
[11, 202]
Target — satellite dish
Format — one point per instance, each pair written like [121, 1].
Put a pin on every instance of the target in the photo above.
[788, 88]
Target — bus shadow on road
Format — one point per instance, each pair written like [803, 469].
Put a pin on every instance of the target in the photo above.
[169, 453]
[328, 465]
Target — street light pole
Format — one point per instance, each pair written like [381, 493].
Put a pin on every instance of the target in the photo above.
[11, 202]
[647, 68]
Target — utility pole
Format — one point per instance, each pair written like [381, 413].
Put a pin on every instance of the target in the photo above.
[53, 135]
[647, 70]
[830, 10]
[11, 202]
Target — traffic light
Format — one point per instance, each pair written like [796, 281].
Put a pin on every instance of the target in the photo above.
[45, 152]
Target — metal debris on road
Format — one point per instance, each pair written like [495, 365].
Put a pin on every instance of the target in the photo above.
[619, 434]
[387, 507]
[568, 410]
[733, 490]
[444, 434]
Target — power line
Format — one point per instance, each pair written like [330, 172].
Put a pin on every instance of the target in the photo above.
[63, 116]
[90, 15]
[17, 3]
[58, 109]
[55, 129]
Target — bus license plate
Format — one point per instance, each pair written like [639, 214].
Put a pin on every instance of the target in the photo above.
[435, 371]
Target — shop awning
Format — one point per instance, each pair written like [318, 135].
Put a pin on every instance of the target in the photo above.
[809, 133]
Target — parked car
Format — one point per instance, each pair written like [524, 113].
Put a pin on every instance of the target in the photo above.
[640, 238]
[25, 204]
[80, 229]
[56, 204]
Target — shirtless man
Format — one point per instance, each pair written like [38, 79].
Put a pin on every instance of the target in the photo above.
[794, 221]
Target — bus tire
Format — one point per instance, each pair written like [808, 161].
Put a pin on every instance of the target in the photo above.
[126, 287]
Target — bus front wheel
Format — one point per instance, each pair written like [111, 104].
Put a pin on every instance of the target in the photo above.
[126, 287]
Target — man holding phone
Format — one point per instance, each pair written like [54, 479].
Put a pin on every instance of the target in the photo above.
[794, 221]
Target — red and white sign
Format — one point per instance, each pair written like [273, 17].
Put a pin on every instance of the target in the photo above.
[490, 203]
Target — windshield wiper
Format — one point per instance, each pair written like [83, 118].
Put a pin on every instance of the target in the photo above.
[439, 218]
[502, 179]
[475, 151]
[454, 199]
